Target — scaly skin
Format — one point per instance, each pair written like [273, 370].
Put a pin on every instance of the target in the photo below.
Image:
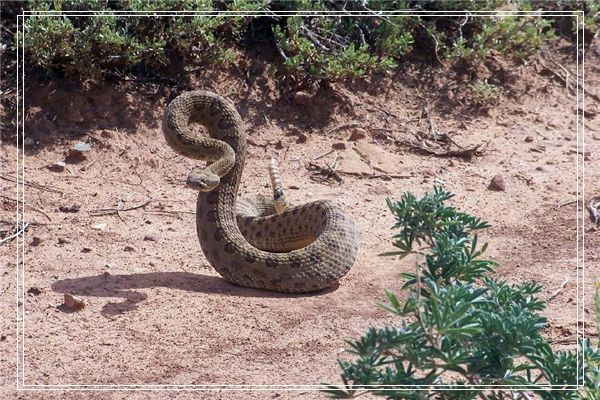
[305, 248]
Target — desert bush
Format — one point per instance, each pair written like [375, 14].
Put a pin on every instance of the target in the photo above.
[459, 327]
[483, 94]
[308, 47]
[92, 46]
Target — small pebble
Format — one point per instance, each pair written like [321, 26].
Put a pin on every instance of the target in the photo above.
[35, 241]
[34, 291]
[70, 209]
[357, 134]
[339, 146]
[72, 303]
[497, 184]
[302, 138]
[99, 226]
[129, 248]
[529, 139]
[86, 250]
[540, 168]
[151, 238]
[63, 241]
[57, 166]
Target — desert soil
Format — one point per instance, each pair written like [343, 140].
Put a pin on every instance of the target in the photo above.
[157, 314]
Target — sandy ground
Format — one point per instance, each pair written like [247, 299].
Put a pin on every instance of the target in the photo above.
[157, 314]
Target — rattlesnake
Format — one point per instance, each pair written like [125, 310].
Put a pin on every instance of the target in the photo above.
[303, 248]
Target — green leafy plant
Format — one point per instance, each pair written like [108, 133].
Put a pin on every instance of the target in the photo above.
[459, 330]
[310, 47]
[483, 94]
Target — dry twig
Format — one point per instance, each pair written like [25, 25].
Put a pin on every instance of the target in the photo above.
[329, 171]
[32, 184]
[346, 125]
[117, 210]
[593, 207]
[557, 291]
[30, 206]
[16, 232]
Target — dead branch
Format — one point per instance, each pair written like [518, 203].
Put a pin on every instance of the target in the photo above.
[388, 177]
[13, 179]
[463, 153]
[345, 125]
[313, 38]
[329, 171]
[567, 78]
[17, 231]
[593, 207]
[117, 210]
[557, 291]
[322, 155]
[566, 203]
[30, 206]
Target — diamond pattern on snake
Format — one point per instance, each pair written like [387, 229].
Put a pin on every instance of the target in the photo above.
[261, 243]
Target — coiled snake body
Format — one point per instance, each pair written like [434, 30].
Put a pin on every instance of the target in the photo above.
[304, 248]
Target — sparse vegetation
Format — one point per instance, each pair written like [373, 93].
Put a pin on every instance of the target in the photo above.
[306, 47]
[460, 328]
[483, 94]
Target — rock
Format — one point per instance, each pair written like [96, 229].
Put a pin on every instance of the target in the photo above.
[70, 209]
[378, 158]
[129, 248]
[339, 146]
[151, 238]
[540, 168]
[63, 241]
[596, 135]
[538, 149]
[28, 143]
[497, 184]
[554, 188]
[302, 98]
[99, 226]
[35, 241]
[57, 166]
[379, 190]
[430, 172]
[35, 291]
[72, 114]
[81, 147]
[302, 138]
[77, 152]
[351, 163]
[529, 139]
[72, 303]
[86, 250]
[357, 134]
[279, 145]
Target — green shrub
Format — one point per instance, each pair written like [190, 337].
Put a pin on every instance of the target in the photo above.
[90, 46]
[459, 327]
[309, 47]
[483, 94]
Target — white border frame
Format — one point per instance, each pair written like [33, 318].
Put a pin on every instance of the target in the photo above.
[21, 385]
